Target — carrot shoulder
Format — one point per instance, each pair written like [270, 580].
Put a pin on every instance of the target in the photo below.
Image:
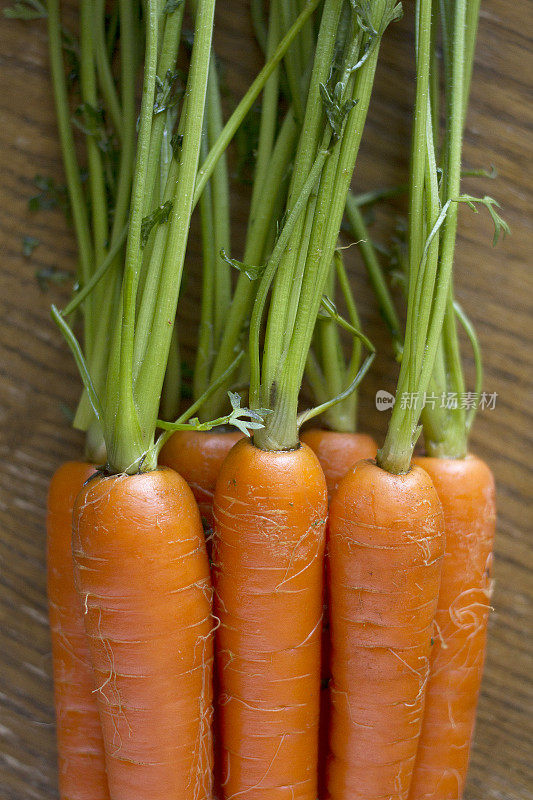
[270, 512]
[143, 577]
[385, 548]
[338, 451]
[466, 490]
[197, 456]
[79, 738]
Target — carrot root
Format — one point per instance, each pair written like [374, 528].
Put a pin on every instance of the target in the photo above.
[198, 456]
[270, 512]
[385, 549]
[338, 452]
[80, 746]
[466, 490]
[143, 576]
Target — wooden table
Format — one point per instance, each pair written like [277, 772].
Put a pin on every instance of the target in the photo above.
[39, 382]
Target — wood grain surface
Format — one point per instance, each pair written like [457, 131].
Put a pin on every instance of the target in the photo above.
[39, 382]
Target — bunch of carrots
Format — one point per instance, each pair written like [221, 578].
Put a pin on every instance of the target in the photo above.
[243, 604]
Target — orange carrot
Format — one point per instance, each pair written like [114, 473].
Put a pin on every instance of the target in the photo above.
[197, 456]
[466, 489]
[270, 512]
[143, 576]
[79, 738]
[338, 452]
[385, 549]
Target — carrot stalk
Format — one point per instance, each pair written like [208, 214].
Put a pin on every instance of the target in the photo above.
[80, 746]
[143, 576]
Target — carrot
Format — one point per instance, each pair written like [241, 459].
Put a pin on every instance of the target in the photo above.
[143, 576]
[197, 457]
[270, 513]
[79, 738]
[271, 497]
[385, 546]
[337, 451]
[466, 490]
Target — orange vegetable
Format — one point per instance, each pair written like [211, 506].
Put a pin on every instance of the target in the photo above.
[197, 456]
[270, 513]
[466, 490]
[338, 452]
[385, 549]
[143, 576]
[79, 738]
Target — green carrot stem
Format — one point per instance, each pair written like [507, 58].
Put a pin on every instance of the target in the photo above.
[375, 272]
[256, 396]
[172, 26]
[445, 428]
[77, 200]
[311, 140]
[122, 429]
[151, 375]
[105, 76]
[205, 345]
[170, 395]
[255, 249]
[293, 63]
[395, 456]
[236, 119]
[97, 185]
[269, 115]
[220, 198]
[280, 383]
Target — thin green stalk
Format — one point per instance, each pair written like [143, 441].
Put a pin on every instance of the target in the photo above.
[256, 395]
[97, 184]
[220, 205]
[343, 415]
[311, 140]
[171, 393]
[105, 76]
[255, 250]
[332, 358]
[122, 431]
[293, 65]
[269, 116]
[77, 199]
[205, 346]
[375, 272]
[450, 424]
[172, 26]
[280, 388]
[236, 119]
[151, 375]
[97, 276]
[395, 456]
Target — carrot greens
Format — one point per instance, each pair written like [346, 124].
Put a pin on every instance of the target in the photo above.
[339, 95]
[431, 359]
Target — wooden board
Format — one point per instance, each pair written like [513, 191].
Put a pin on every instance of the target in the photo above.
[38, 378]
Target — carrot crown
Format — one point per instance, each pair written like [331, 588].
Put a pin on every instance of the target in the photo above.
[297, 269]
[124, 371]
[432, 229]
